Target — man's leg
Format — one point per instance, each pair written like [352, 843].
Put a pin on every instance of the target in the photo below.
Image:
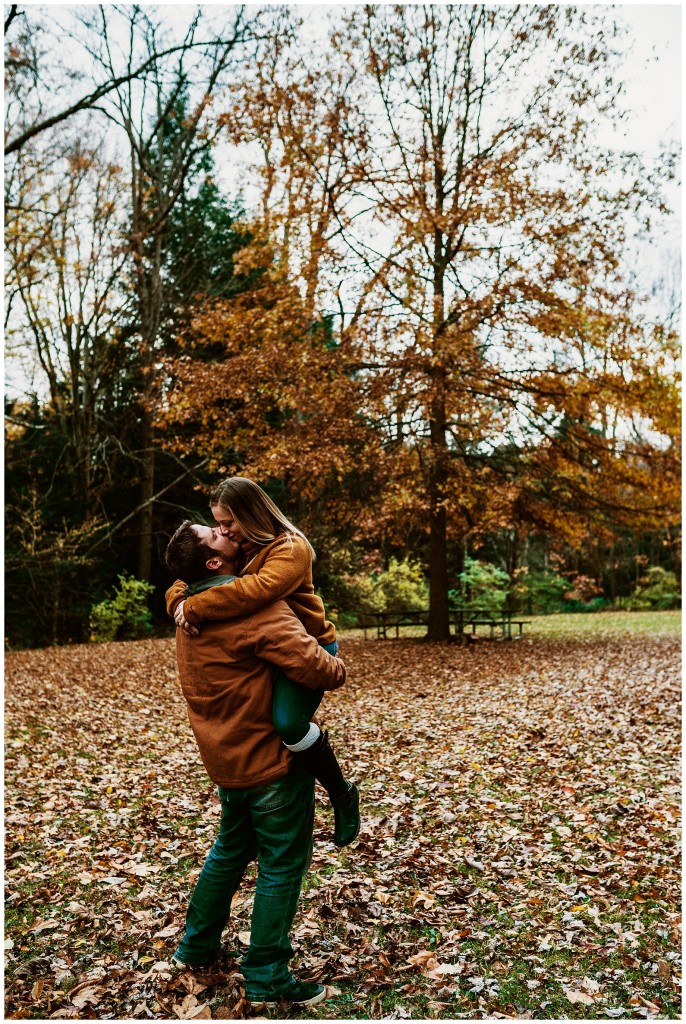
[283, 818]
[210, 904]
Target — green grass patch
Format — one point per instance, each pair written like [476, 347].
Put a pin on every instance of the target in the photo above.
[563, 626]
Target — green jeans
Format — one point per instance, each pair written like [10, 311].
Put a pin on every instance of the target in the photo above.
[293, 705]
[273, 823]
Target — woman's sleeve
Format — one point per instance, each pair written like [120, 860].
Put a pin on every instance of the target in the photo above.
[176, 593]
[282, 573]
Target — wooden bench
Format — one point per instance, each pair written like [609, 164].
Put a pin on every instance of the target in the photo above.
[461, 619]
[502, 621]
[383, 621]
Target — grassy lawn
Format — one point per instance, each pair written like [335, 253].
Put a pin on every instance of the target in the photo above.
[518, 857]
[608, 624]
[598, 625]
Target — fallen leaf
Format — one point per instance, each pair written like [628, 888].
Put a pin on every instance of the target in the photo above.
[424, 899]
[204, 1013]
[89, 994]
[476, 864]
[419, 959]
[43, 926]
[170, 930]
[576, 996]
[409, 861]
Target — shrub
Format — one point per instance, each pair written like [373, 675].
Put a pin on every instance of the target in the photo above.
[584, 596]
[400, 586]
[403, 586]
[595, 605]
[657, 591]
[483, 586]
[541, 592]
[126, 616]
[357, 594]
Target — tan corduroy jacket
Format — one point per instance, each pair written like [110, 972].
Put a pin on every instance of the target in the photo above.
[226, 676]
[282, 569]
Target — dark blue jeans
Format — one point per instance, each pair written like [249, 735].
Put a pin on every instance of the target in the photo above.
[274, 823]
[293, 705]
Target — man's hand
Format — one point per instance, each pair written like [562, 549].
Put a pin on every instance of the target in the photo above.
[182, 622]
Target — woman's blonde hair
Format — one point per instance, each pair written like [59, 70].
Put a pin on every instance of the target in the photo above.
[254, 512]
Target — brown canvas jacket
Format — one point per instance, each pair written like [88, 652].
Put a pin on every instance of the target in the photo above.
[281, 569]
[226, 676]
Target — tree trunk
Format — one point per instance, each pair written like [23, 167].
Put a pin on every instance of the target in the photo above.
[439, 619]
[150, 306]
[146, 493]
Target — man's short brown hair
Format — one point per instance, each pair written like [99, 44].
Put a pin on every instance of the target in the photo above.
[186, 554]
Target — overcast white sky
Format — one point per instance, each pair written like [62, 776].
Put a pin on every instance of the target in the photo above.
[653, 66]
[653, 72]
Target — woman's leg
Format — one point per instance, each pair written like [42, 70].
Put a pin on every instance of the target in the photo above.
[292, 709]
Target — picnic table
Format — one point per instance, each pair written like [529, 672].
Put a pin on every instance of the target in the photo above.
[462, 619]
[501, 621]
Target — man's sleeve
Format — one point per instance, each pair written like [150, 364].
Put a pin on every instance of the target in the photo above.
[176, 593]
[277, 635]
[282, 573]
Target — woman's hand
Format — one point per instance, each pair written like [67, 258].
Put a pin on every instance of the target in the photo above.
[182, 622]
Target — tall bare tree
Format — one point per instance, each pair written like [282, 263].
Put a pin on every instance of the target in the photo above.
[163, 114]
[65, 264]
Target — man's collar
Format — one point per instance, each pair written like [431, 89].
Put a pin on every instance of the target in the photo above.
[211, 581]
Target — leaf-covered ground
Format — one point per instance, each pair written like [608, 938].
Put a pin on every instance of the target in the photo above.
[518, 856]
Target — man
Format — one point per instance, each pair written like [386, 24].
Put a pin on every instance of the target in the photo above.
[267, 800]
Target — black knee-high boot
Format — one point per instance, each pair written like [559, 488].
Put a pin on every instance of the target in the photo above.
[320, 760]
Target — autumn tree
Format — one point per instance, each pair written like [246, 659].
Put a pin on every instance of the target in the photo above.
[499, 219]
[260, 388]
[34, 58]
[265, 384]
[289, 110]
[75, 444]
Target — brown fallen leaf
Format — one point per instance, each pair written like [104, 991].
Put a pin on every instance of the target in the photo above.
[167, 932]
[89, 994]
[577, 996]
[424, 899]
[187, 1007]
[664, 969]
[43, 926]
[476, 864]
[204, 1013]
[419, 959]
[191, 984]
